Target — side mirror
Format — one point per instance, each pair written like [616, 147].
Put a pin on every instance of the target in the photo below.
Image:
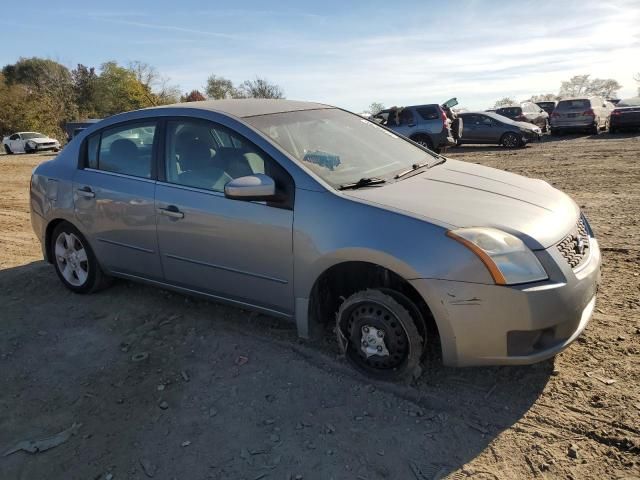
[258, 187]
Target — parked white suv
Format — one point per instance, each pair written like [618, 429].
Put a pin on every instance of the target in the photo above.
[29, 142]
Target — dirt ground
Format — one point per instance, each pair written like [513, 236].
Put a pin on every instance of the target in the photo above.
[221, 393]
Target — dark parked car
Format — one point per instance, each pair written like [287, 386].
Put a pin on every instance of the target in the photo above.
[547, 106]
[433, 126]
[526, 112]
[626, 115]
[491, 128]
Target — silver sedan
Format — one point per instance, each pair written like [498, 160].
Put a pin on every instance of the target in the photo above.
[309, 212]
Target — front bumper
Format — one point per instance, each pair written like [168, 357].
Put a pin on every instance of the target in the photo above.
[514, 325]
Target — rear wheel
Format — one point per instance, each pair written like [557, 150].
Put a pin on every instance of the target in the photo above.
[511, 140]
[74, 260]
[424, 141]
[378, 336]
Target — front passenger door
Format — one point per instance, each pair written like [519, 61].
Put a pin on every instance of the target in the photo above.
[241, 251]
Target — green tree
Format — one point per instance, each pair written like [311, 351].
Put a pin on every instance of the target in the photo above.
[45, 84]
[260, 88]
[85, 87]
[582, 85]
[220, 88]
[119, 90]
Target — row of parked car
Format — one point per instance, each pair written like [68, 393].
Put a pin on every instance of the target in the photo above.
[440, 126]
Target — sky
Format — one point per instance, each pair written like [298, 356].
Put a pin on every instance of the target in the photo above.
[344, 53]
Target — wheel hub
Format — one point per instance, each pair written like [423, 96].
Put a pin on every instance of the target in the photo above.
[373, 342]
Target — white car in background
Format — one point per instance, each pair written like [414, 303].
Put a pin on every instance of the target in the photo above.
[29, 142]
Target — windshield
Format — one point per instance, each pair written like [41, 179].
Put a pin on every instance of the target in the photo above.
[30, 135]
[338, 146]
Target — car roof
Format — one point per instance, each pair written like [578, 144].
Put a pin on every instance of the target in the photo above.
[494, 115]
[249, 107]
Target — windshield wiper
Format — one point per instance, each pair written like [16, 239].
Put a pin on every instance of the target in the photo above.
[414, 167]
[418, 166]
[363, 182]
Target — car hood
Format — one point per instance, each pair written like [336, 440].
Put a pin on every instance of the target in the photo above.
[526, 125]
[459, 194]
[41, 140]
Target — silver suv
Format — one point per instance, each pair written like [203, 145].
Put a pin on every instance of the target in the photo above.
[432, 126]
[318, 215]
[592, 114]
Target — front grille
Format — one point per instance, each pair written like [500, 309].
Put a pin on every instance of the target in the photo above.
[575, 246]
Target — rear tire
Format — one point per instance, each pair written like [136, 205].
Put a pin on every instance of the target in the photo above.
[424, 141]
[379, 337]
[75, 262]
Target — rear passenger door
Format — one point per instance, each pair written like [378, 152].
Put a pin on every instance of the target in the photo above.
[236, 250]
[114, 190]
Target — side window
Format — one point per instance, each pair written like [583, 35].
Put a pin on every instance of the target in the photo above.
[93, 144]
[486, 121]
[205, 155]
[429, 113]
[14, 137]
[126, 149]
[406, 117]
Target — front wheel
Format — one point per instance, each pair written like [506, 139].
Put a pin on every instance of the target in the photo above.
[511, 140]
[8, 150]
[378, 336]
[595, 128]
[74, 260]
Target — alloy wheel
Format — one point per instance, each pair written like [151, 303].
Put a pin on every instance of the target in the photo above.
[71, 259]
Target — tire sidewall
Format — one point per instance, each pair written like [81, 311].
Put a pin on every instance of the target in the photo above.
[94, 274]
[410, 367]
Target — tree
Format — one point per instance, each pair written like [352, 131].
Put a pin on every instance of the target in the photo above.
[606, 88]
[575, 86]
[375, 108]
[45, 84]
[581, 85]
[85, 89]
[161, 92]
[544, 97]
[193, 96]
[504, 102]
[119, 90]
[260, 88]
[220, 88]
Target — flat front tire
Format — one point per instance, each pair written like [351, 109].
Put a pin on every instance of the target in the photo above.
[379, 337]
[74, 260]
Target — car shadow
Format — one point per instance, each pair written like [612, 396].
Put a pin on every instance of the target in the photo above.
[143, 366]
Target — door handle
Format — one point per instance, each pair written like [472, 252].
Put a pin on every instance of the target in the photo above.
[86, 192]
[171, 211]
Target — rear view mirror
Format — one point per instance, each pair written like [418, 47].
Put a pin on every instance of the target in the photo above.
[258, 187]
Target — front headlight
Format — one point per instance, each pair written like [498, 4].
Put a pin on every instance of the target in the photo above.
[507, 258]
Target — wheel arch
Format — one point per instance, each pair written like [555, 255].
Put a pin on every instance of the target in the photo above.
[341, 279]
